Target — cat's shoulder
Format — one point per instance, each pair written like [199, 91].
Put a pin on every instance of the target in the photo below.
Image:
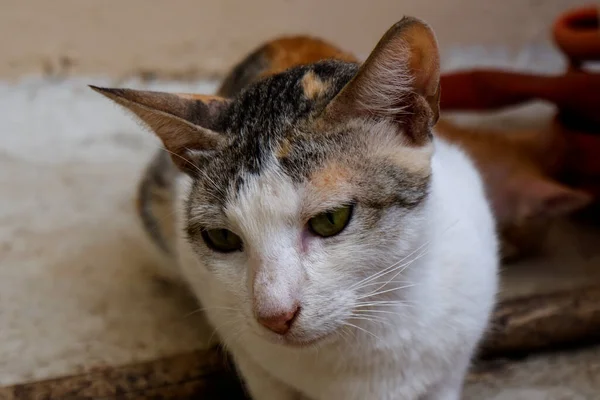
[453, 160]
[458, 186]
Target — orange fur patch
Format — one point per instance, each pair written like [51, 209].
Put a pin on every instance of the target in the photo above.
[328, 186]
[287, 52]
[330, 177]
[313, 86]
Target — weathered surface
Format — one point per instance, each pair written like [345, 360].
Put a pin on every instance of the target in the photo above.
[530, 323]
[520, 325]
[565, 375]
[202, 374]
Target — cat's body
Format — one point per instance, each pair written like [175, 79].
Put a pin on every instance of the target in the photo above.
[340, 251]
[423, 351]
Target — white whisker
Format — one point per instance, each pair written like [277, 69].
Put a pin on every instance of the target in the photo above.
[385, 291]
[202, 309]
[387, 270]
[367, 312]
[384, 303]
[367, 317]
[362, 329]
[221, 326]
[183, 158]
[403, 268]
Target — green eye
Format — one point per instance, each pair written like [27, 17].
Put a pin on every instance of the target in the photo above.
[222, 240]
[330, 223]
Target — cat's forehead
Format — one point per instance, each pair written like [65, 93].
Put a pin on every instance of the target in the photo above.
[263, 123]
[268, 108]
[324, 171]
[266, 125]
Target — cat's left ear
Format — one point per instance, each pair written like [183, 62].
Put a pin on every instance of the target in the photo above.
[400, 81]
[183, 122]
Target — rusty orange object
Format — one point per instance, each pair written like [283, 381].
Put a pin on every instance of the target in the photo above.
[577, 34]
[575, 93]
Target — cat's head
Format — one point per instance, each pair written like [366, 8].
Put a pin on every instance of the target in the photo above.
[308, 183]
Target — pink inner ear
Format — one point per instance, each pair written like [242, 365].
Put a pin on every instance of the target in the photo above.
[546, 198]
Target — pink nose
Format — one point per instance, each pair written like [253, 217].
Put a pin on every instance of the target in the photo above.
[279, 323]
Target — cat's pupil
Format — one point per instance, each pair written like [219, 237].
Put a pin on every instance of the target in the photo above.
[330, 218]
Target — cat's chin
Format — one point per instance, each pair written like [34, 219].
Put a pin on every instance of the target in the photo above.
[302, 342]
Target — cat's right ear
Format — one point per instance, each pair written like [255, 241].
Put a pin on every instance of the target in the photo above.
[399, 81]
[183, 122]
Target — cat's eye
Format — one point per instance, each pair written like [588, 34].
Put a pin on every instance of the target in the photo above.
[330, 223]
[222, 240]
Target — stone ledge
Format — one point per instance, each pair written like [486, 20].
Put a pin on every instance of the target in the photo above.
[521, 325]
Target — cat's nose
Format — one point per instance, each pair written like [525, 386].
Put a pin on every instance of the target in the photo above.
[279, 323]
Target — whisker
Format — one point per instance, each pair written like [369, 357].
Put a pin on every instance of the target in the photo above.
[387, 270]
[379, 283]
[363, 313]
[403, 268]
[373, 322]
[218, 328]
[369, 318]
[385, 291]
[392, 267]
[183, 158]
[202, 309]
[363, 330]
[200, 171]
[345, 334]
[384, 303]
[366, 312]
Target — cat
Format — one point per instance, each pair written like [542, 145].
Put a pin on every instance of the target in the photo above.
[520, 169]
[341, 249]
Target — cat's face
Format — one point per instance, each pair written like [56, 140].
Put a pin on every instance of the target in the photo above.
[322, 213]
[309, 186]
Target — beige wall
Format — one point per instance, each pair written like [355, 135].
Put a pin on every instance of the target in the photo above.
[120, 37]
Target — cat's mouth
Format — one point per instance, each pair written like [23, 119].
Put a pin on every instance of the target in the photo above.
[300, 340]
[310, 342]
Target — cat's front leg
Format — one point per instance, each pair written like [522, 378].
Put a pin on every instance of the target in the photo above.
[260, 384]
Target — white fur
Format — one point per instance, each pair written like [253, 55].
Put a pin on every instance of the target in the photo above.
[434, 303]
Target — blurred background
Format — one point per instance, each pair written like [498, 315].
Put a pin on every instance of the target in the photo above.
[78, 293]
[203, 38]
